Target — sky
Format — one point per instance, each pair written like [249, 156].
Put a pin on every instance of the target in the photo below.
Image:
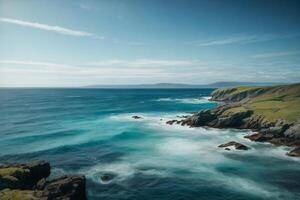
[71, 43]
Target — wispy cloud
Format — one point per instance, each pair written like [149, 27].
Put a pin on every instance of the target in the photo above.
[145, 63]
[276, 54]
[243, 39]
[33, 63]
[45, 27]
[41, 73]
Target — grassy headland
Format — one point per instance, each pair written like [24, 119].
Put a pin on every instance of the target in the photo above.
[273, 112]
[272, 103]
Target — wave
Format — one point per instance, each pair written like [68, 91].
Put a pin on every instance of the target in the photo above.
[200, 100]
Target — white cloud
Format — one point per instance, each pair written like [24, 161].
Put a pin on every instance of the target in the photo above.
[242, 39]
[45, 27]
[276, 54]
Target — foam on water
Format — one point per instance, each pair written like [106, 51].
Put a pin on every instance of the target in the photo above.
[200, 100]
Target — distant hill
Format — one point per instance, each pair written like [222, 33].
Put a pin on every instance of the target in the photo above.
[179, 85]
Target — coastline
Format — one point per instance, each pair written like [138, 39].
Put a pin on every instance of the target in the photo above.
[241, 111]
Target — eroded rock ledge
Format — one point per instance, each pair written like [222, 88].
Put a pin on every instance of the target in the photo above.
[30, 182]
[255, 109]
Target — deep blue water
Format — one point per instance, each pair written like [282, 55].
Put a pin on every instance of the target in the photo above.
[91, 131]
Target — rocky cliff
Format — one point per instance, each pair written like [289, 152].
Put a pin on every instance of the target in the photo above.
[29, 182]
[272, 112]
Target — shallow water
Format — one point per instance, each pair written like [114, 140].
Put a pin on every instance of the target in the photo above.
[91, 131]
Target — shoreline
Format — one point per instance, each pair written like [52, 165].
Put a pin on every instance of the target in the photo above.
[237, 111]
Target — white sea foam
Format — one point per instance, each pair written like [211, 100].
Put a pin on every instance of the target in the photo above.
[177, 146]
[248, 186]
[200, 100]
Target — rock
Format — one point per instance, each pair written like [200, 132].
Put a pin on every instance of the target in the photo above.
[276, 131]
[38, 170]
[106, 177]
[136, 117]
[182, 116]
[293, 131]
[28, 182]
[260, 137]
[23, 176]
[295, 152]
[71, 187]
[227, 149]
[41, 184]
[237, 145]
[202, 118]
[171, 122]
[231, 120]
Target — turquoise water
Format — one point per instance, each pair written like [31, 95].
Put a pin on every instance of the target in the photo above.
[91, 131]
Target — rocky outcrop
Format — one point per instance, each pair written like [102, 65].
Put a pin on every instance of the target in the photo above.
[271, 112]
[64, 187]
[29, 181]
[234, 144]
[23, 176]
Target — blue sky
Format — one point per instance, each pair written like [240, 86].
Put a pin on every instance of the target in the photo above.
[76, 43]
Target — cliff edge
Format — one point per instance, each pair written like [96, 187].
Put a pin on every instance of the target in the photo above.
[273, 112]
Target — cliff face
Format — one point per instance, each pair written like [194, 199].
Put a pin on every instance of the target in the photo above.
[274, 112]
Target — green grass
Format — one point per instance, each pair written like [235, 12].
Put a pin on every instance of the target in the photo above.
[276, 102]
[7, 171]
[8, 194]
[235, 110]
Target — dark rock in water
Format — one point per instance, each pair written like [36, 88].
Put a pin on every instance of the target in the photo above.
[23, 176]
[227, 149]
[237, 145]
[70, 187]
[136, 117]
[295, 152]
[106, 177]
[171, 122]
[182, 116]
[259, 137]
[201, 118]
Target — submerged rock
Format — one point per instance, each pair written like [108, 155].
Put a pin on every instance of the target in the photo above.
[136, 117]
[106, 177]
[236, 145]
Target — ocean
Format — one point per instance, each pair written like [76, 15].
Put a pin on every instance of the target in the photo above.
[92, 132]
